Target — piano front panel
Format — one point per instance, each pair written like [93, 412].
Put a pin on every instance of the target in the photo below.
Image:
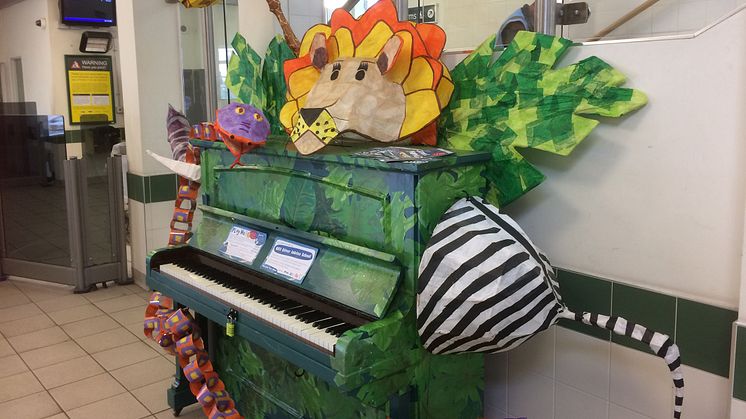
[265, 385]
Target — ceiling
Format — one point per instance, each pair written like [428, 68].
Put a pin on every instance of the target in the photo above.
[6, 3]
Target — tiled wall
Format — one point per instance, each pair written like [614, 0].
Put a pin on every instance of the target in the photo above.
[151, 205]
[665, 17]
[469, 22]
[576, 372]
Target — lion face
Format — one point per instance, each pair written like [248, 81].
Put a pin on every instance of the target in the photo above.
[351, 94]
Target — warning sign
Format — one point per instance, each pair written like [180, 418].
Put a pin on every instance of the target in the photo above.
[90, 89]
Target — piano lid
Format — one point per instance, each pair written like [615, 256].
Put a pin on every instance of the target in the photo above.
[280, 145]
[360, 278]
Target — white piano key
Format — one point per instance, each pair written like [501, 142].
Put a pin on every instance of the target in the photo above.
[254, 307]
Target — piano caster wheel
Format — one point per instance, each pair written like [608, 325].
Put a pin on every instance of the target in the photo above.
[177, 412]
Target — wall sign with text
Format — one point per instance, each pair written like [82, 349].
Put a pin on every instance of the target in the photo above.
[90, 91]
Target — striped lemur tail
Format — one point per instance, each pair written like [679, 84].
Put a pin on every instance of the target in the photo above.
[660, 344]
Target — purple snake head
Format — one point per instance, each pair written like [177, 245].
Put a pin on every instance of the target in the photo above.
[243, 123]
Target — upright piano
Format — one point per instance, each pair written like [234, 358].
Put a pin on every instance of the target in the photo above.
[314, 260]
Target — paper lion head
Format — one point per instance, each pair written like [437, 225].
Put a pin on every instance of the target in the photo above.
[376, 76]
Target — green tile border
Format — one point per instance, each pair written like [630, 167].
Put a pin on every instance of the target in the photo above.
[151, 189]
[739, 369]
[702, 331]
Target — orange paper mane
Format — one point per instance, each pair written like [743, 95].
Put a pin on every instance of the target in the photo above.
[417, 67]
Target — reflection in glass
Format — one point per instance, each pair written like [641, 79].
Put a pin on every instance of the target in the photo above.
[32, 189]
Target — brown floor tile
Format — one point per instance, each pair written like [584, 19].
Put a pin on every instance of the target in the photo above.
[35, 406]
[19, 385]
[38, 339]
[107, 293]
[67, 372]
[53, 354]
[18, 312]
[38, 291]
[58, 416]
[130, 315]
[190, 412]
[27, 325]
[89, 390]
[12, 299]
[145, 372]
[137, 330]
[123, 406]
[74, 314]
[122, 303]
[62, 302]
[106, 340]
[5, 348]
[12, 365]
[122, 356]
[153, 396]
[90, 326]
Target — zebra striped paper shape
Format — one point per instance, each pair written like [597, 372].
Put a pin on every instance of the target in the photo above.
[485, 287]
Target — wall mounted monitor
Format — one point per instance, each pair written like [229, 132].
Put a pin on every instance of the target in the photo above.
[88, 12]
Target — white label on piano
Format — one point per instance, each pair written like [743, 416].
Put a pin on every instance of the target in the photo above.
[243, 244]
[290, 260]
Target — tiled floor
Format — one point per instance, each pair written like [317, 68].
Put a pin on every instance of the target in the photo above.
[79, 356]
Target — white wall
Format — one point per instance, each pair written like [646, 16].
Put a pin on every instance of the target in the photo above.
[19, 37]
[656, 199]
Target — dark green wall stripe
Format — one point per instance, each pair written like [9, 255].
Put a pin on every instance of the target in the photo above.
[739, 372]
[702, 331]
[149, 189]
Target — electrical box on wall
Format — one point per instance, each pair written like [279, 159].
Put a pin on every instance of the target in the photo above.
[424, 14]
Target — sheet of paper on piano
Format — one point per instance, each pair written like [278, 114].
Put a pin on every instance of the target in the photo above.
[243, 244]
[290, 259]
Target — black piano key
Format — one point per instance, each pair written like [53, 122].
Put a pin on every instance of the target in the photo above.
[311, 316]
[340, 329]
[297, 313]
[323, 324]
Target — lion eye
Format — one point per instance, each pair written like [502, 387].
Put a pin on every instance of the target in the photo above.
[240, 111]
[361, 71]
[335, 74]
[258, 117]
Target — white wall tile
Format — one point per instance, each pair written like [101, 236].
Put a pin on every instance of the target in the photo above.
[496, 383]
[705, 395]
[159, 214]
[737, 409]
[571, 403]
[536, 355]
[692, 16]
[619, 412]
[138, 238]
[157, 238]
[640, 382]
[583, 362]
[530, 395]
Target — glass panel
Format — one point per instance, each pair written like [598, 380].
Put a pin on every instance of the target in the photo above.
[225, 26]
[97, 144]
[32, 189]
[193, 62]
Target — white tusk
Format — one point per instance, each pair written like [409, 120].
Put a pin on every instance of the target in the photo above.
[188, 170]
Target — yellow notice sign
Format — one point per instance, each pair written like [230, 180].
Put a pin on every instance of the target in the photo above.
[89, 89]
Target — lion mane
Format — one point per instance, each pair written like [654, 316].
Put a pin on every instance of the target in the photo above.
[425, 80]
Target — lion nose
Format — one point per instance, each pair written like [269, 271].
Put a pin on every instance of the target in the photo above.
[310, 115]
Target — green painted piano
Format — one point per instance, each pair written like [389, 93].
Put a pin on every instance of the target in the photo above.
[314, 259]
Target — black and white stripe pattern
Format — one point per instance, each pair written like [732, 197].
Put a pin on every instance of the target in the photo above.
[660, 344]
[178, 128]
[485, 287]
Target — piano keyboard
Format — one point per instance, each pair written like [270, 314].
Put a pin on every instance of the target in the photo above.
[305, 323]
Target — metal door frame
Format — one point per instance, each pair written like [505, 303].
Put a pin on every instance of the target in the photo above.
[79, 274]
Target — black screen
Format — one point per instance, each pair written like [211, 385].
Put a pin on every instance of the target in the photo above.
[89, 12]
